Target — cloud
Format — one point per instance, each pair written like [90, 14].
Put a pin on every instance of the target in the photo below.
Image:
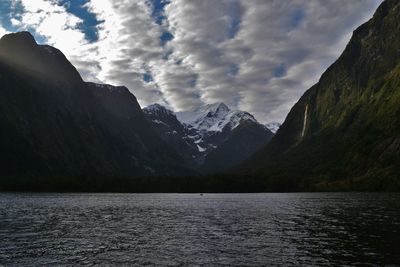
[52, 24]
[3, 31]
[128, 43]
[259, 55]
[280, 49]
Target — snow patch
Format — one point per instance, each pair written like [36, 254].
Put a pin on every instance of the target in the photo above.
[158, 122]
[273, 126]
[201, 149]
[214, 118]
[158, 109]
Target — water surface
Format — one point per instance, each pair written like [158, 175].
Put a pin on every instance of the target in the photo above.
[190, 229]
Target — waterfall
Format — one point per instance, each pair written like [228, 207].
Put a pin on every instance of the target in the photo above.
[304, 121]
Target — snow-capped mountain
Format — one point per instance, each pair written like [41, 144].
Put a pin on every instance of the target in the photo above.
[214, 117]
[273, 126]
[159, 110]
[205, 131]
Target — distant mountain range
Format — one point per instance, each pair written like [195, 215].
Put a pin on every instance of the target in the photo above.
[211, 138]
[55, 124]
[61, 133]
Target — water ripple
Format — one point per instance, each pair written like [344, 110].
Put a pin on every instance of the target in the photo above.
[210, 230]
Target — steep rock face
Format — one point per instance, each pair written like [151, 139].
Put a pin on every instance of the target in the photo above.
[44, 62]
[173, 132]
[238, 145]
[273, 126]
[344, 131]
[211, 138]
[54, 124]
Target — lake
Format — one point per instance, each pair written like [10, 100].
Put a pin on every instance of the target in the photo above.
[304, 229]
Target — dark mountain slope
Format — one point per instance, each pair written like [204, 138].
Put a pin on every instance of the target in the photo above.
[54, 124]
[344, 133]
[239, 144]
[173, 132]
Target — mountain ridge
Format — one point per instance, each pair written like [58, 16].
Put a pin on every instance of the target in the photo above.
[56, 125]
[344, 131]
[201, 135]
[342, 135]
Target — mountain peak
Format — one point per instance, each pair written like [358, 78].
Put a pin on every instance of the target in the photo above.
[19, 38]
[155, 106]
[215, 117]
[20, 51]
[218, 105]
[273, 126]
[226, 136]
[157, 109]
[215, 108]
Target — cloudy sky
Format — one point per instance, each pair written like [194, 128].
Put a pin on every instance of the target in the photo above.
[255, 55]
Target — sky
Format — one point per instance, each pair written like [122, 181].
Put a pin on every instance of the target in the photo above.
[258, 56]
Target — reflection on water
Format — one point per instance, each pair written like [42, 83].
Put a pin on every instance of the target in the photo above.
[190, 229]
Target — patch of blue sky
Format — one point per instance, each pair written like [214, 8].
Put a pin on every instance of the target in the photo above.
[157, 13]
[234, 28]
[279, 71]
[192, 82]
[90, 21]
[13, 11]
[233, 70]
[147, 77]
[234, 12]
[296, 18]
[166, 37]
[158, 7]
[7, 12]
